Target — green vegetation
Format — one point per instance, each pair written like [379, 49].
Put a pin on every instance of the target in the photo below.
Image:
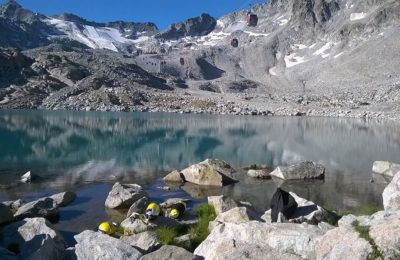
[364, 233]
[199, 232]
[367, 211]
[167, 235]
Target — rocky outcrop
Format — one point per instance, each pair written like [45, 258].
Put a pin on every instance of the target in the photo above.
[304, 170]
[211, 172]
[386, 168]
[169, 253]
[14, 205]
[236, 215]
[63, 199]
[124, 195]
[306, 212]
[34, 238]
[196, 26]
[28, 177]
[222, 203]
[283, 238]
[145, 242]
[6, 214]
[44, 207]
[95, 245]
[391, 194]
[174, 176]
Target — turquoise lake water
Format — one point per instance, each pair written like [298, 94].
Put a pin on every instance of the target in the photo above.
[88, 151]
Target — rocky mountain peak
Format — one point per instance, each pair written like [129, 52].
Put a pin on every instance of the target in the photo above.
[13, 11]
[197, 26]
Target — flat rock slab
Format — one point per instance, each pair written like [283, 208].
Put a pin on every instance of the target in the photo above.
[44, 207]
[145, 242]
[301, 171]
[169, 253]
[386, 168]
[95, 245]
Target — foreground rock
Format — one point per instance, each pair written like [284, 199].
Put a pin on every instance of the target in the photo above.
[306, 212]
[211, 172]
[145, 242]
[386, 168]
[304, 170]
[391, 194]
[236, 215]
[6, 214]
[222, 203]
[124, 195]
[44, 207]
[95, 245]
[169, 253]
[281, 238]
[63, 199]
[34, 238]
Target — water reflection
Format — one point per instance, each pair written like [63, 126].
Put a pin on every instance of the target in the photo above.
[71, 149]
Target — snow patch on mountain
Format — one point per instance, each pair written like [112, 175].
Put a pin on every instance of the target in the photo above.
[357, 16]
[293, 60]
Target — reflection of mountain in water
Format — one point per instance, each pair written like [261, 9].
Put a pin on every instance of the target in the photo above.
[62, 140]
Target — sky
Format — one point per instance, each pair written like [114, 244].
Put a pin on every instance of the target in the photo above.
[161, 12]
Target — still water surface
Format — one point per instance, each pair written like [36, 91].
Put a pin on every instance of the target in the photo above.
[88, 151]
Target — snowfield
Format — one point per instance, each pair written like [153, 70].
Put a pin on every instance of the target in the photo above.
[357, 16]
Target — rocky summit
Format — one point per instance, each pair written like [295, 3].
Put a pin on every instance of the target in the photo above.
[314, 57]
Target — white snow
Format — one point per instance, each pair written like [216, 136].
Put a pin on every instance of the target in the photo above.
[240, 25]
[96, 38]
[293, 60]
[357, 16]
[300, 46]
[257, 34]
[324, 48]
[338, 55]
[272, 71]
[312, 46]
[212, 39]
[220, 24]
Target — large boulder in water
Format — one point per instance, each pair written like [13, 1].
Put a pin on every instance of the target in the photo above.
[391, 194]
[280, 237]
[44, 207]
[63, 199]
[211, 172]
[168, 252]
[96, 245]
[304, 170]
[124, 195]
[386, 168]
[6, 214]
[34, 238]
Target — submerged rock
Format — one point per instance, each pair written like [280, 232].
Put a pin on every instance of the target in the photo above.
[95, 245]
[44, 207]
[211, 172]
[169, 253]
[63, 199]
[386, 168]
[34, 238]
[124, 195]
[282, 238]
[304, 170]
[201, 191]
[174, 176]
[391, 194]
[6, 214]
[145, 242]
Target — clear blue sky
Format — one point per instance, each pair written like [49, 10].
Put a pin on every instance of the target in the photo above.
[162, 12]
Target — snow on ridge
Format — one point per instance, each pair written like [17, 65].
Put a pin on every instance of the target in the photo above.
[324, 48]
[300, 46]
[256, 34]
[273, 71]
[357, 16]
[293, 60]
[93, 37]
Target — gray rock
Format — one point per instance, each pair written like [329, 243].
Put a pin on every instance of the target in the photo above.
[211, 172]
[95, 245]
[138, 206]
[236, 215]
[391, 194]
[169, 253]
[28, 177]
[63, 199]
[172, 201]
[136, 224]
[145, 242]
[174, 176]
[281, 237]
[34, 238]
[259, 174]
[304, 170]
[14, 205]
[44, 207]
[222, 203]
[184, 241]
[124, 195]
[70, 254]
[201, 191]
[6, 214]
[386, 168]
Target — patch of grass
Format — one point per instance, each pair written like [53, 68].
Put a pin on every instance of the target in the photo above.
[167, 235]
[367, 211]
[364, 233]
[199, 232]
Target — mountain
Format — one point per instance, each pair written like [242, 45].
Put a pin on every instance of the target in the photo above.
[317, 57]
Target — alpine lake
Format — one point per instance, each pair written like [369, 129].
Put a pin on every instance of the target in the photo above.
[87, 152]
